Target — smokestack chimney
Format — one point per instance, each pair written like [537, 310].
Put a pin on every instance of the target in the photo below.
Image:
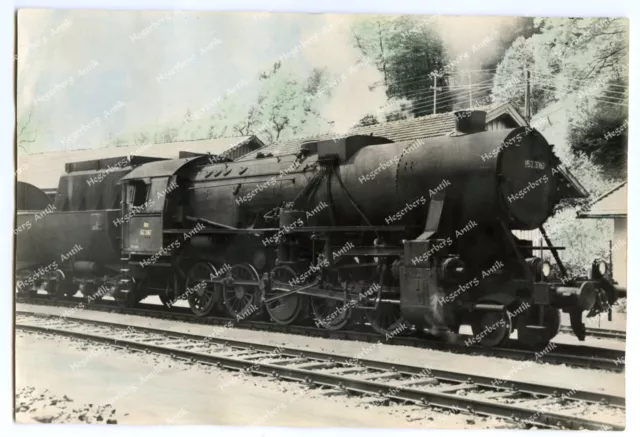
[470, 122]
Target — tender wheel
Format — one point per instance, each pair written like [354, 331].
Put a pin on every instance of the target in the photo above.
[330, 314]
[387, 319]
[36, 287]
[492, 328]
[107, 288]
[62, 286]
[26, 289]
[288, 309]
[126, 300]
[200, 292]
[135, 295]
[166, 302]
[89, 291]
[242, 291]
[170, 295]
[28, 292]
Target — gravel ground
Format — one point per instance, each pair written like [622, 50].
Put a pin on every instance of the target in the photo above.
[33, 406]
[136, 388]
[550, 374]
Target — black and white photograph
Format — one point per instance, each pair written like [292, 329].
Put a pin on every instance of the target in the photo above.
[268, 218]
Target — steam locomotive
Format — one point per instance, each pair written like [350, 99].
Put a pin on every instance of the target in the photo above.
[401, 236]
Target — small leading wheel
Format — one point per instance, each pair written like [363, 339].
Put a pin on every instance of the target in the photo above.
[288, 309]
[242, 291]
[551, 323]
[387, 319]
[492, 328]
[330, 314]
[200, 292]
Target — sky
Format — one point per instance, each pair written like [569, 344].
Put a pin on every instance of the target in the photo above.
[86, 75]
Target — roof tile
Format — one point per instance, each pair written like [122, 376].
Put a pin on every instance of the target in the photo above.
[401, 130]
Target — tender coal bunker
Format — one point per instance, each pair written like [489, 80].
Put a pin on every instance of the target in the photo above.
[30, 197]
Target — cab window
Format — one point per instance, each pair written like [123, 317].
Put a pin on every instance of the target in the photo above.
[157, 194]
[136, 193]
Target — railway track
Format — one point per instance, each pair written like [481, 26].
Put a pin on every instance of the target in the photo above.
[601, 333]
[555, 353]
[524, 403]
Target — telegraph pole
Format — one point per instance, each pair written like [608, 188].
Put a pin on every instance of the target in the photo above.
[435, 84]
[527, 96]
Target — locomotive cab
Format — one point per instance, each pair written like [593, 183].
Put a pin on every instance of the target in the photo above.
[142, 214]
[153, 218]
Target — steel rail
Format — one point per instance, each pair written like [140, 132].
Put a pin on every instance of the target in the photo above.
[566, 354]
[379, 365]
[601, 333]
[521, 402]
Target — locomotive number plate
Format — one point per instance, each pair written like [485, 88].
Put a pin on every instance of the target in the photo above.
[145, 232]
[534, 164]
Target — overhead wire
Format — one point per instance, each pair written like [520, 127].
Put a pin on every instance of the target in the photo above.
[429, 92]
[595, 95]
[463, 97]
[552, 83]
[443, 98]
[551, 77]
[417, 79]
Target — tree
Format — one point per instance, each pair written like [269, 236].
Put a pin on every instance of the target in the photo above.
[285, 106]
[408, 52]
[27, 133]
[169, 135]
[584, 240]
[580, 62]
[367, 120]
[509, 81]
[396, 116]
[250, 122]
[141, 138]
[603, 138]
[583, 63]
[566, 56]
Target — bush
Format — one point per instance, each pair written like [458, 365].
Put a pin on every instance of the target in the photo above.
[621, 306]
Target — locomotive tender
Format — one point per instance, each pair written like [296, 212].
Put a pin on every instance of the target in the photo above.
[308, 235]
